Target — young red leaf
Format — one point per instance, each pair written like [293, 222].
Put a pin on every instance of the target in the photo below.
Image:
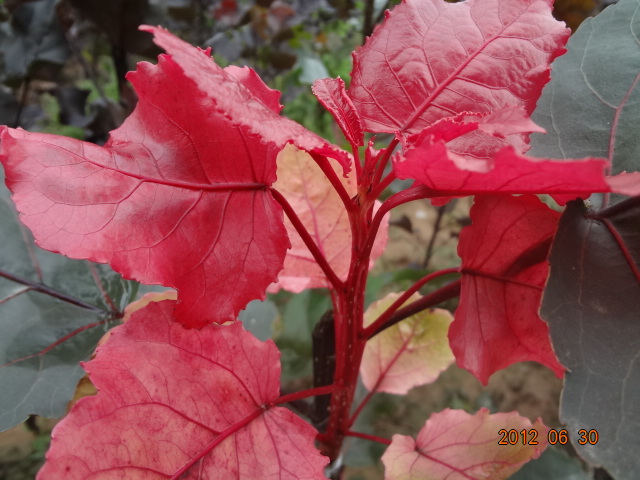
[448, 173]
[433, 59]
[410, 353]
[455, 445]
[504, 269]
[243, 101]
[178, 403]
[322, 212]
[332, 95]
[472, 139]
[176, 197]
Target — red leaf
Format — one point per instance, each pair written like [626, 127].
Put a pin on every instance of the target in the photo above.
[504, 269]
[454, 445]
[176, 197]
[450, 174]
[252, 81]
[472, 140]
[163, 409]
[433, 59]
[332, 95]
[242, 102]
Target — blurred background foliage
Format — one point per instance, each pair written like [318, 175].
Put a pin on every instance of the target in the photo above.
[63, 66]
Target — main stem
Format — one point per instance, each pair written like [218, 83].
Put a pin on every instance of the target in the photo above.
[348, 313]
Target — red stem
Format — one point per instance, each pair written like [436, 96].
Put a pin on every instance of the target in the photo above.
[356, 162]
[382, 163]
[384, 317]
[366, 436]
[386, 181]
[336, 283]
[448, 292]
[311, 392]
[332, 176]
[406, 196]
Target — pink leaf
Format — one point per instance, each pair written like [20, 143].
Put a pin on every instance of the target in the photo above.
[332, 95]
[454, 445]
[164, 409]
[625, 183]
[432, 59]
[410, 353]
[176, 197]
[322, 212]
[242, 102]
[504, 269]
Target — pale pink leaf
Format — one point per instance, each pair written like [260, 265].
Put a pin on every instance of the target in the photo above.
[178, 403]
[455, 445]
[410, 353]
[625, 183]
[319, 207]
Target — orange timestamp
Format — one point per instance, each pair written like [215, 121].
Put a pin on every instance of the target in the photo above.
[554, 437]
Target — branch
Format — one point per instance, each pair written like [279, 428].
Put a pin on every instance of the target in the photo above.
[408, 195]
[311, 392]
[52, 292]
[382, 163]
[366, 436]
[434, 234]
[372, 329]
[447, 292]
[318, 256]
[332, 176]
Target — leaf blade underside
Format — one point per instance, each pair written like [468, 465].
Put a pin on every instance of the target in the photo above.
[160, 416]
[164, 201]
[410, 353]
[504, 269]
[454, 445]
[474, 68]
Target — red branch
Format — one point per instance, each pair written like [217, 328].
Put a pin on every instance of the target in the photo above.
[318, 256]
[366, 436]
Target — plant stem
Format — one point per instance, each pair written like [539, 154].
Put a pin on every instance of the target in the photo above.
[387, 314]
[311, 392]
[366, 436]
[432, 241]
[449, 291]
[406, 196]
[382, 163]
[384, 183]
[332, 176]
[38, 287]
[336, 283]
